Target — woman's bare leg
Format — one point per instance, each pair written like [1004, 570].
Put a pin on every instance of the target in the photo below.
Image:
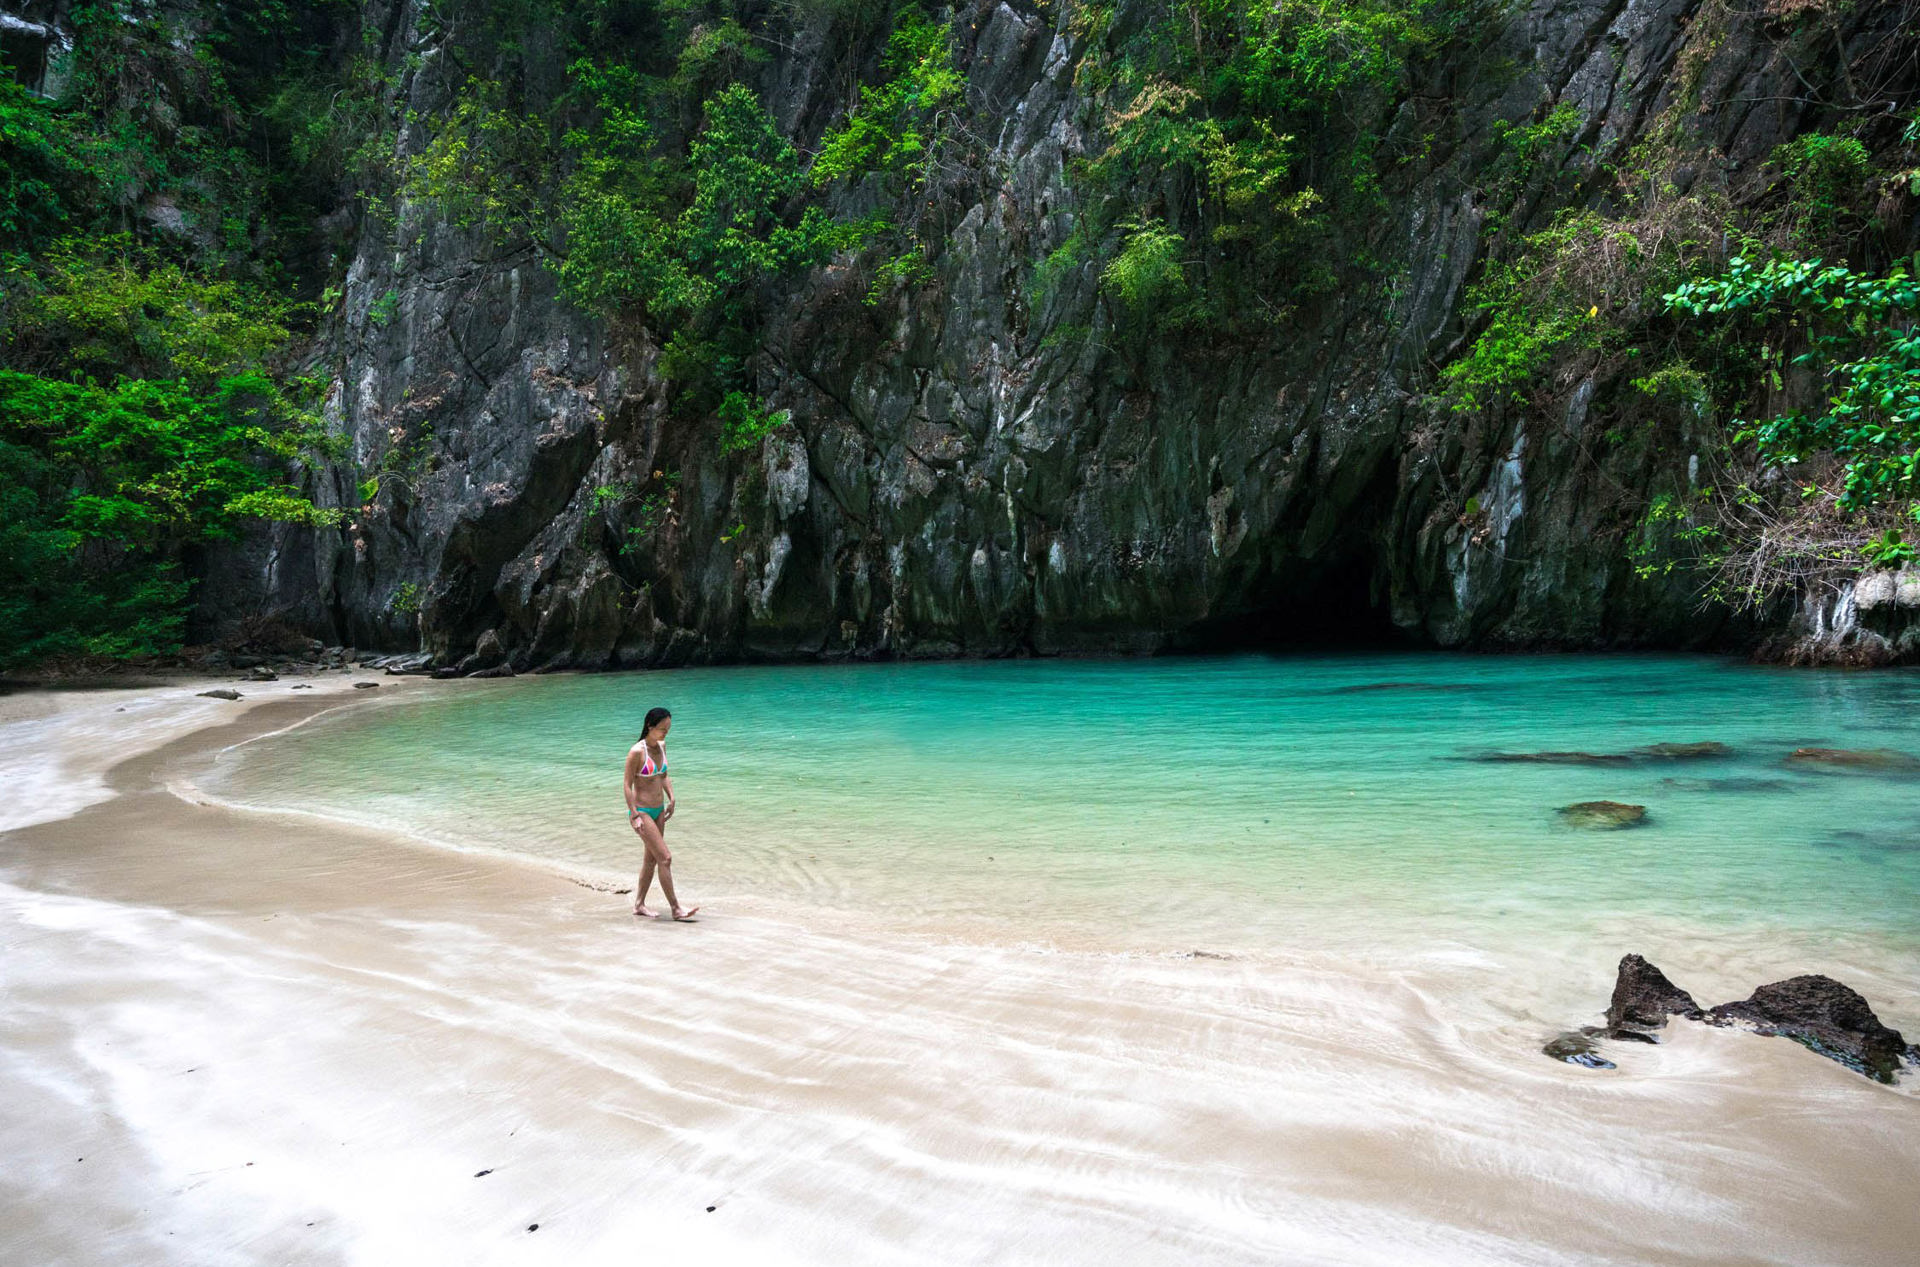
[661, 859]
[645, 884]
[652, 842]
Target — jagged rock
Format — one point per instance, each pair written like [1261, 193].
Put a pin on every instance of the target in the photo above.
[1884, 760]
[220, 692]
[262, 673]
[498, 670]
[1603, 815]
[1644, 998]
[1684, 751]
[1817, 1012]
[1824, 1016]
[488, 653]
[1577, 1049]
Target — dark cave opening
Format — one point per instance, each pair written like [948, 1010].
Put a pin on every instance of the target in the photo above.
[1335, 607]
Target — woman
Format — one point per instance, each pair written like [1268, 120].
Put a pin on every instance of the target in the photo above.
[649, 806]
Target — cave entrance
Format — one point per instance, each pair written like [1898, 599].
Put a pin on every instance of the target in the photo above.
[1331, 607]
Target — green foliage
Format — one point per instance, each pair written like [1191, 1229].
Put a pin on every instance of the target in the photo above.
[1827, 175]
[744, 424]
[406, 598]
[1148, 275]
[141, 416]
[381, 311]
[1253, 130]
[1889, 550]
[1863, 341]
[896, 127]
[650, 510]
[42, 166]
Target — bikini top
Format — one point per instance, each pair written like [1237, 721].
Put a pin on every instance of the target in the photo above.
[647, 768]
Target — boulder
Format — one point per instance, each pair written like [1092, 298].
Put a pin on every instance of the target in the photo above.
[1824, 1016]
[220, 692]
[1603, 815]
[498, 670]
[366, 686]
[1644, 998]
[261, 673]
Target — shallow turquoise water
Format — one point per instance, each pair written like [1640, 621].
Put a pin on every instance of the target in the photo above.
[1249, 803]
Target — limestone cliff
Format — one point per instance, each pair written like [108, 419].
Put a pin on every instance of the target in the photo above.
[978, 466]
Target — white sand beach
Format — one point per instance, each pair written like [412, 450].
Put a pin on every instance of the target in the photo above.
[235, 1037]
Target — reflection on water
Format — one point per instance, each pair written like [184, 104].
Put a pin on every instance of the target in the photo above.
[1248, 804]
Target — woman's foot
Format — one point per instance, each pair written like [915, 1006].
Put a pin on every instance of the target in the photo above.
[687, 914]
[644, 911]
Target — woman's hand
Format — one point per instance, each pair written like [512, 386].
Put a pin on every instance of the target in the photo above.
[669, 812]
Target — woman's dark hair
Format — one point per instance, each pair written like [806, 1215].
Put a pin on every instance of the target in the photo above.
[654, 717]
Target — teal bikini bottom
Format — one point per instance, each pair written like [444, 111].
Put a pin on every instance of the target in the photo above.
[653, 810]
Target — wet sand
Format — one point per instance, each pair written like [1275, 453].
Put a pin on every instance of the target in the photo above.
[240, 1037]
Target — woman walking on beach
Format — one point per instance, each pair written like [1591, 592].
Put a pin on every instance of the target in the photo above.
[649, 806]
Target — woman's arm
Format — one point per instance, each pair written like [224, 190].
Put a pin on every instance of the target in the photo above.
[626, 780]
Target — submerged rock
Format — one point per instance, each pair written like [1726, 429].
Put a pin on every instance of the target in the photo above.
[1558, 758]
[1576, 1048]
[1728, 785]
[1886, 760]
[1684, 751]
[1825, 1016]
[1643, 997]
[1603, 815]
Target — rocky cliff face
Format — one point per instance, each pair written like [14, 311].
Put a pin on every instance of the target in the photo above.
[976, 467]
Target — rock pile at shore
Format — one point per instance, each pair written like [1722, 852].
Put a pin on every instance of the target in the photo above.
[1819, 1013]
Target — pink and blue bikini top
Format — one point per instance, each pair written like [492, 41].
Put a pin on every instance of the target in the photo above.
[647, 768]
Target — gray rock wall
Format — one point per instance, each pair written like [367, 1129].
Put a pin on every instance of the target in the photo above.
[956, 481]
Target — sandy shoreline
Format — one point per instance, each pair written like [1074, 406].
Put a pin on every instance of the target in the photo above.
[276, 1039]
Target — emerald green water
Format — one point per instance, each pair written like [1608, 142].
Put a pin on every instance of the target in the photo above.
[1243, 805]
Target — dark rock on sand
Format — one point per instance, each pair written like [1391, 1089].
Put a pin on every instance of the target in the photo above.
[1577, 1049]
[366, 686]
[1603, 815]
[1881, 760]
[446, 672]
[220, 692]
[1644, 998]
[1558, 758]
[406, 665]
[262, 673]
[1684, 751]
[1824, 1016]
[498, 670]
[1817, 1012]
